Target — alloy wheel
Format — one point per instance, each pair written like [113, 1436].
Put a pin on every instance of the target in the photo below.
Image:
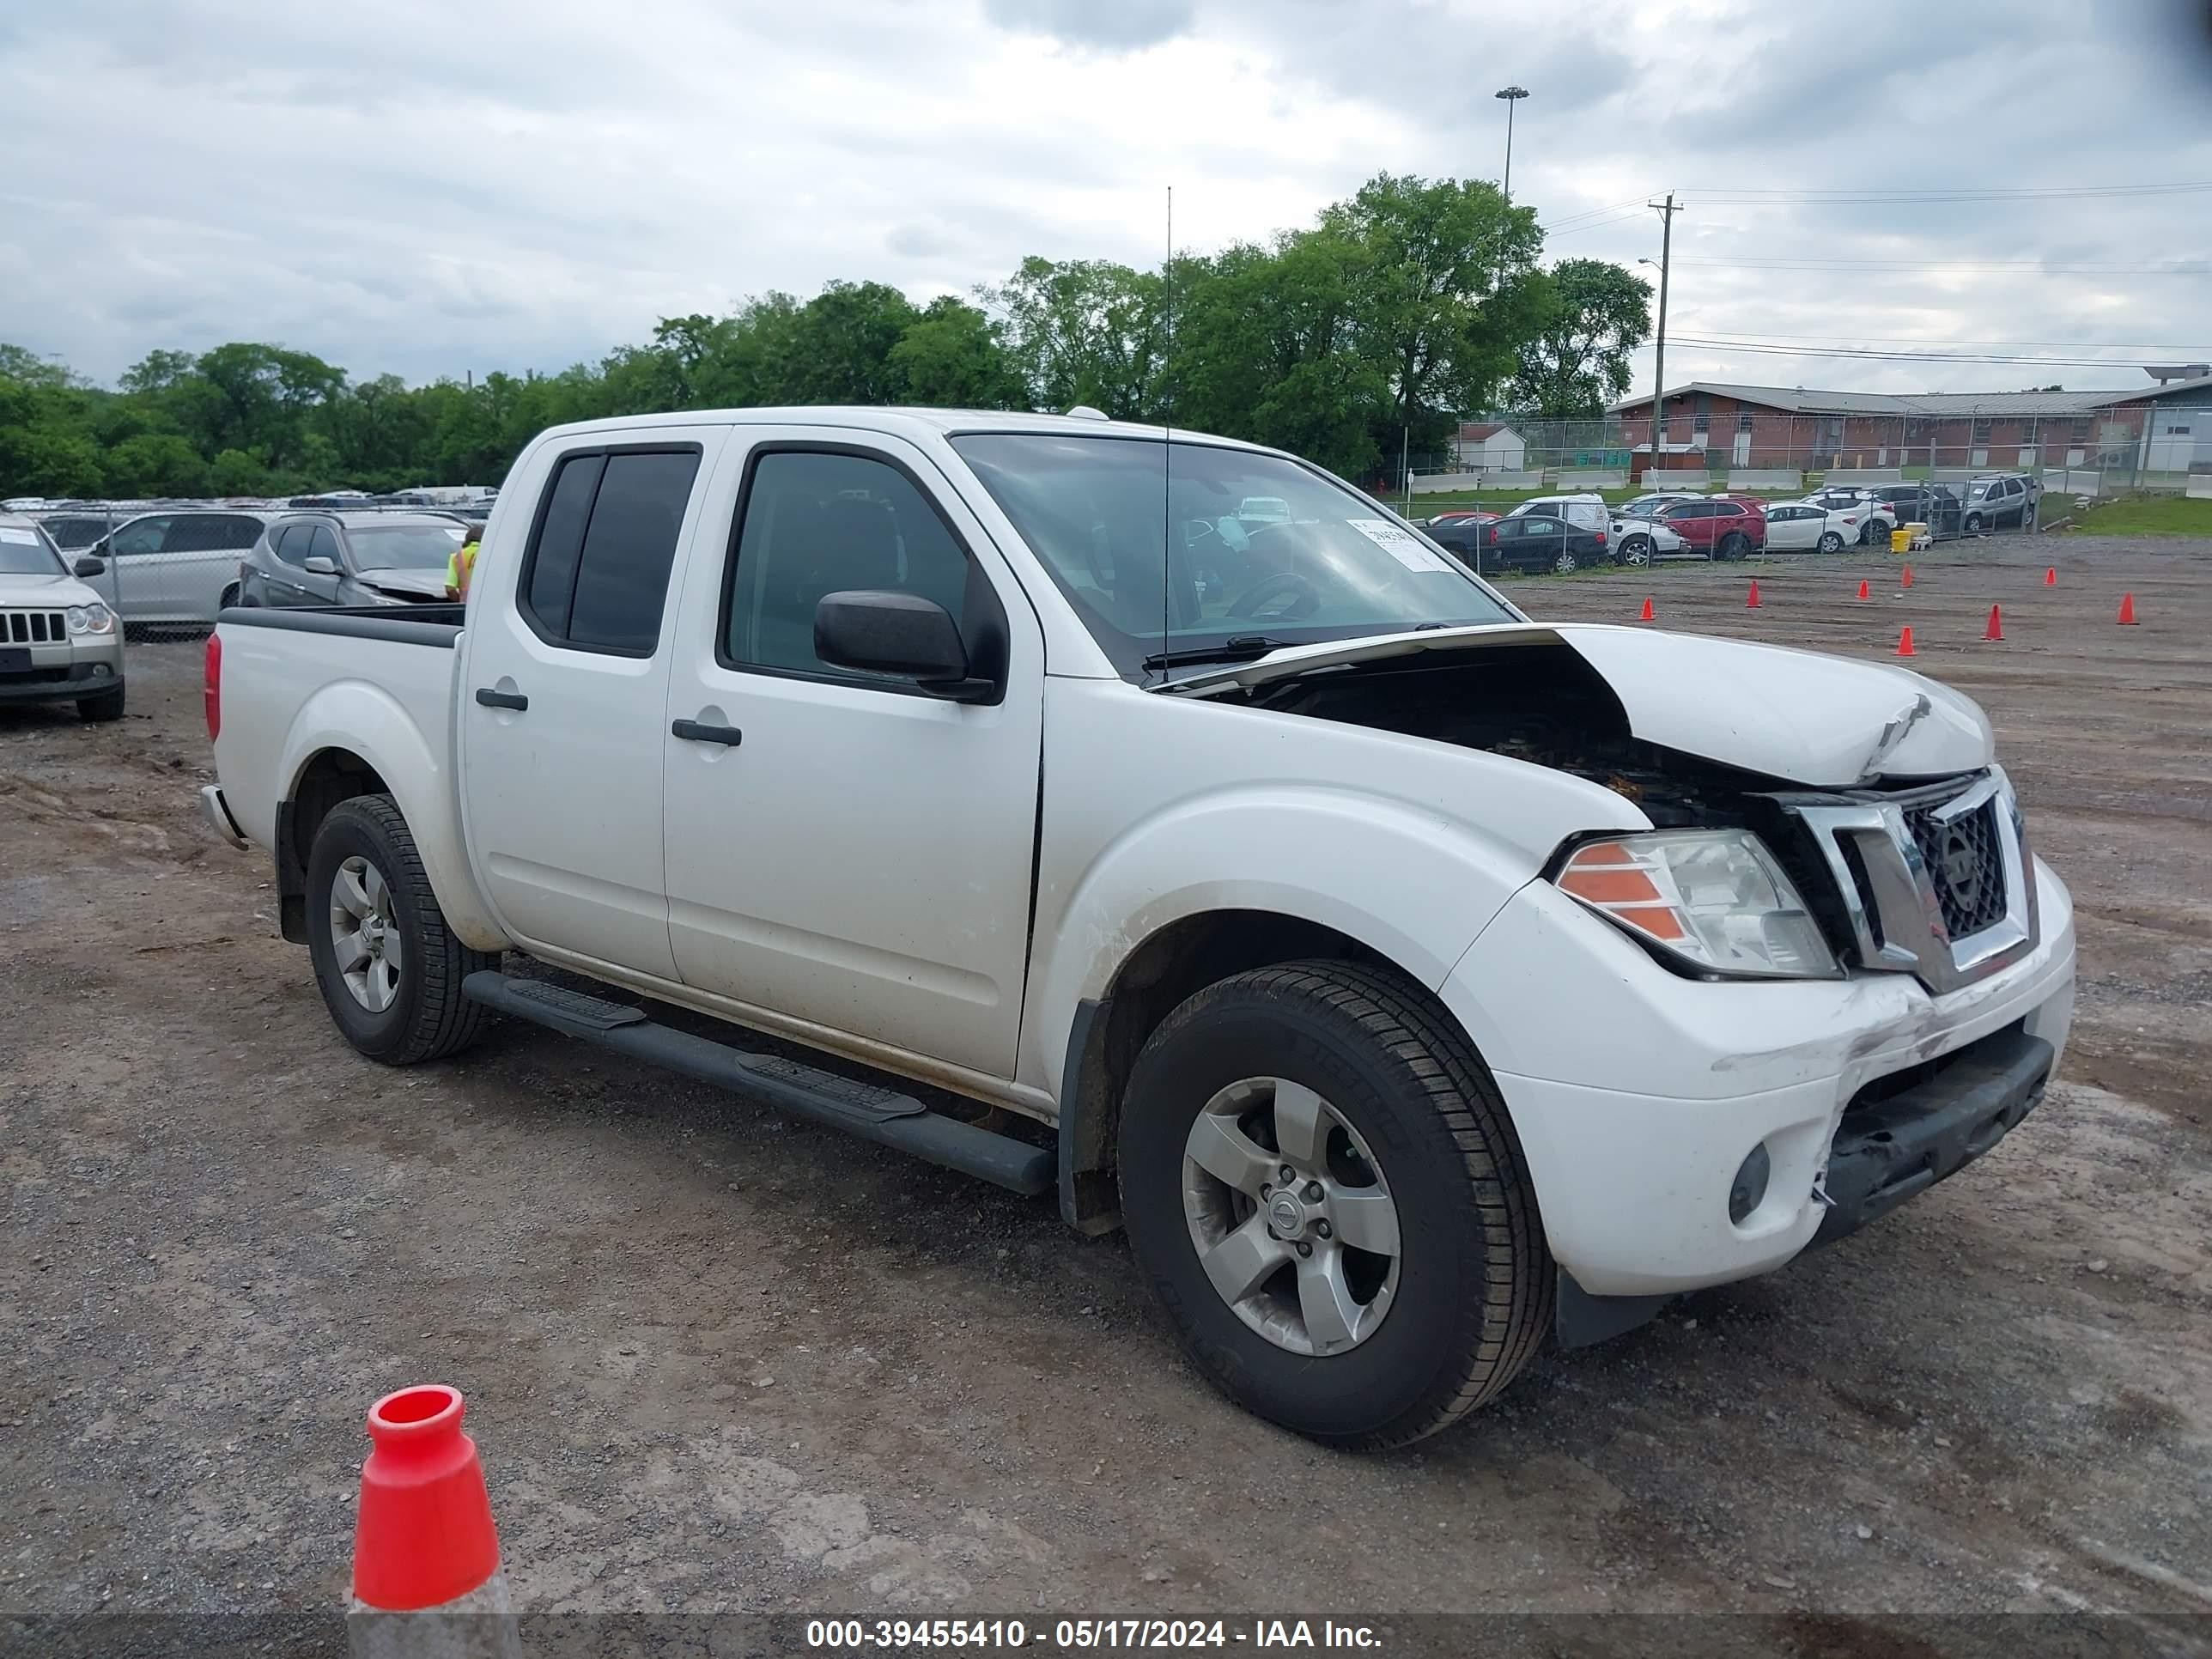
[1293, 1223]
[364, 936]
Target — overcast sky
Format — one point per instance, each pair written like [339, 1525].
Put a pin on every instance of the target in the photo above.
[426, 186]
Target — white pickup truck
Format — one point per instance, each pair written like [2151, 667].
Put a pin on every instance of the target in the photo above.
[1412, 980]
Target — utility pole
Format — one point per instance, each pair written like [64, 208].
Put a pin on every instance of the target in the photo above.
[1405, 470]
[1667, 212]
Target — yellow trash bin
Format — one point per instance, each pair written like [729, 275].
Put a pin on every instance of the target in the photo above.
[1901, 541]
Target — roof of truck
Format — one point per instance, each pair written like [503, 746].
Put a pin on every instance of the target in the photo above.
[899, 419]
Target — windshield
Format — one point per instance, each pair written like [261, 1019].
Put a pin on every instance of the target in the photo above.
[24, 552]
[403, 546]
[1169, 563]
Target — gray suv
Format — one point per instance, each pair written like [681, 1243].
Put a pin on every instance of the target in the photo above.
[59, 642]
[2002, 500]
[323, 558]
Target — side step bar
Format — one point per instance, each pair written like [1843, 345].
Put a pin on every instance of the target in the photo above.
[882, 1115]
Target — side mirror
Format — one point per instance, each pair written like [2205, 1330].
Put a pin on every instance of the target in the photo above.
[882, 631]
[319, 565]
[85, 568]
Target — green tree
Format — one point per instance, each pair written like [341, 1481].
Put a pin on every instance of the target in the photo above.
[154, 464]
[1086, 332]
[1578, 360]
[952, 357]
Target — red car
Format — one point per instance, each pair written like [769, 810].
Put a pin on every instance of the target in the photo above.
[1719, 527]
[1460, 515]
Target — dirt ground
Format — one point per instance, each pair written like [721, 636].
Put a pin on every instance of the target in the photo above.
[719, 1360]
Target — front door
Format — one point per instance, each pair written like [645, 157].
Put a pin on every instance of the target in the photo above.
[564, 696]
[852, 852]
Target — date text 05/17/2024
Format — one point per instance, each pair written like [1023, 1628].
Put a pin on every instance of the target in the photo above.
[856, 1635]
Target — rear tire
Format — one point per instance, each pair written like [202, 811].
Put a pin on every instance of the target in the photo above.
[107, 706]
[1831, 542]
[426, 1017]
[1563, 565]
[1467, 1298]
[229, 598]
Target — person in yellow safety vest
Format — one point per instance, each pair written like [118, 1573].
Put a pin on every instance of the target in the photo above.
[462, 561]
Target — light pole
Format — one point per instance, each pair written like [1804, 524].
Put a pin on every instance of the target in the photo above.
[1512, 95]
[1659, 361]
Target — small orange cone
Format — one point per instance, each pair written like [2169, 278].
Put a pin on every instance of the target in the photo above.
[1644, 615]
[1753, 602]
[1906, 580]
[2127, 610]
[1904, 642]
[2051, 575]
[1864, 593]
[423, 1546]
[1995, 629]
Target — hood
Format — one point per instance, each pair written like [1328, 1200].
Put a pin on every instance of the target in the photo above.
[52, 589]
[1827, 722]
[406, 584]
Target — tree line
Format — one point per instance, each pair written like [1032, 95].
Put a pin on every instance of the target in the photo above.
[1400, 306]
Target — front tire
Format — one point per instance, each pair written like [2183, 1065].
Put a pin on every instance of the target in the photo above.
[1424, 1286]
[389, 967]
[1973, 524]
[1734, 545]
[107, 706]
[1636, 549]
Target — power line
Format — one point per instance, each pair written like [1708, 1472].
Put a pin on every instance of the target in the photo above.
[1958, 339]
[1757, 349]
[1868, 195]
[2200, 270]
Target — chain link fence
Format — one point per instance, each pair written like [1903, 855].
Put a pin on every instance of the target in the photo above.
[2096, 451]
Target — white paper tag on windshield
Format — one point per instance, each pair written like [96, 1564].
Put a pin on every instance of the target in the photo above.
[8, 532]
[1398, 543]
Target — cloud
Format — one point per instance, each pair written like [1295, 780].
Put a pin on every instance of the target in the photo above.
[521, 184]
[1111, 25]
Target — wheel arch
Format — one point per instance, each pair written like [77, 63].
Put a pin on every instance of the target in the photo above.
[1110, 1029]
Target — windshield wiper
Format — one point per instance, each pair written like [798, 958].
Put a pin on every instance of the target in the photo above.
[1238, 648]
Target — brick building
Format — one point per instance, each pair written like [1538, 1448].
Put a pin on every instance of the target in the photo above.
[1760, 426]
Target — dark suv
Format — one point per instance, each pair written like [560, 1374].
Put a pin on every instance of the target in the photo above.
[1719, 526]
[1934, 506]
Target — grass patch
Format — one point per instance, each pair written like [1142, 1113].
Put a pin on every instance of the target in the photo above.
[2136, 515]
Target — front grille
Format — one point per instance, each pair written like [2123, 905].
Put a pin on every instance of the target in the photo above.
[1966, 866]
[33, 626]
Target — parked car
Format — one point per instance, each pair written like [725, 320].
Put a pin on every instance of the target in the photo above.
[1717, 527]
[2003, 501]
[1586, 511]
[350, 558]
[1641, 537]
[1414, 982]
[1458, 515]
[1809, 528]
[1935, 505]
[78, 530]
[176, 565]
[59, 642]
[1527, 542]
[1863, 500]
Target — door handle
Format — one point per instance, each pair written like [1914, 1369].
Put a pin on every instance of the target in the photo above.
[692, 731]
[491, 698]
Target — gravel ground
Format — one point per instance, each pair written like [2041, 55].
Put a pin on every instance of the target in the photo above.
[717, 1360]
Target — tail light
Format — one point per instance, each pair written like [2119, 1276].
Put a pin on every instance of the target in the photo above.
[1599, 534]
[211, 686]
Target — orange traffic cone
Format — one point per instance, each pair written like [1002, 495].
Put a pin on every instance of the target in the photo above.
[1644, 615]
[2051, 575]
[1906, 580]
[1995, 629]
[1753, 602]
[1864, 593]
[425, 1557]
[2127, 610]
[1904, 642]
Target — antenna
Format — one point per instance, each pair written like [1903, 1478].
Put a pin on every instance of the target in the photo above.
[1166, 432]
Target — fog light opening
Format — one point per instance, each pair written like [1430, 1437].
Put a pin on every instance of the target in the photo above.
[1748, 1190]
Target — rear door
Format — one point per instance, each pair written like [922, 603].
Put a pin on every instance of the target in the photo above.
[283, 572]
[133, 580]
[198, 560]
[846, 851]
[564, 697]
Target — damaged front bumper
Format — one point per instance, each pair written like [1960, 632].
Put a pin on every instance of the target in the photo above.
[1639, 1099]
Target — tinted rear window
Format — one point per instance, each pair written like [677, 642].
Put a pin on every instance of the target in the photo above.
[598, 575]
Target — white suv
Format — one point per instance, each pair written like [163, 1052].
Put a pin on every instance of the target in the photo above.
[1638, 534]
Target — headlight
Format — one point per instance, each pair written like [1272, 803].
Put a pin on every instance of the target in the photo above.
[91, 619]
[1714, 899]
